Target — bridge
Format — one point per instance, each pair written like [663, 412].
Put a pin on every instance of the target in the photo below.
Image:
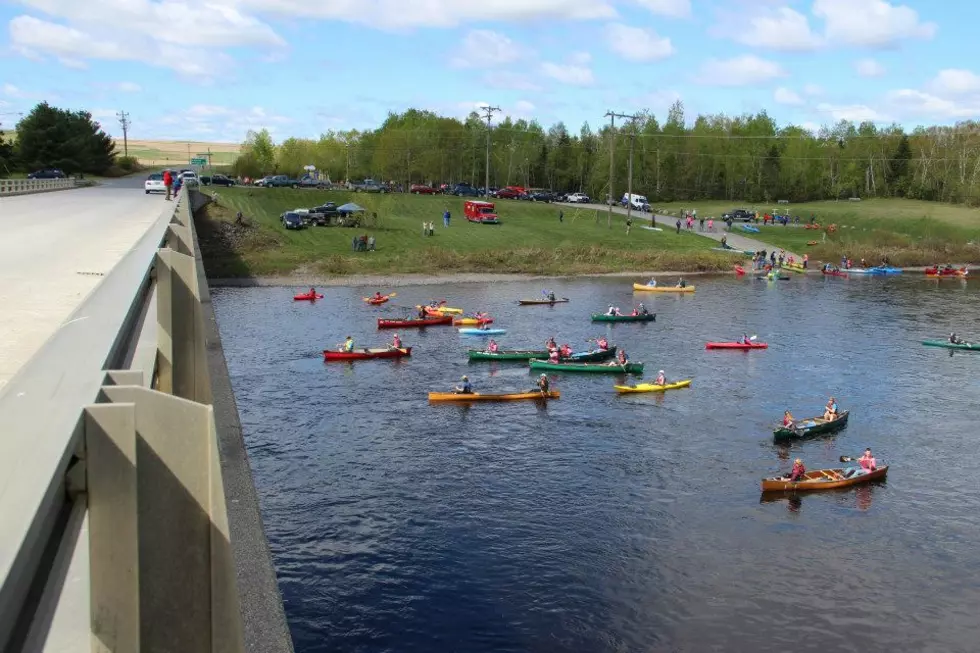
[129, 520]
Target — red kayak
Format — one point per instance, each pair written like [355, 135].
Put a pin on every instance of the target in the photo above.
[736, 345]
[414, 322]
[943, 272]
[739, 270]
[380, 300]
[835, 273]
[329, 355]
[307, 297]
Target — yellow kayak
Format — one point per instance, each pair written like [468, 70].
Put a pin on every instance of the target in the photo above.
[646, 288]
[651, 387]
[471, 321]
[443, 311]
[476, 396]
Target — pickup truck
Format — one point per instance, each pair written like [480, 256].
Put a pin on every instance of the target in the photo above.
[369, 186]
[278, 181]
[739, 215]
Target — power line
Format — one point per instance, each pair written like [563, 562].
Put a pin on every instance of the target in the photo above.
[124, 121]
[489, 111]
[612, 115]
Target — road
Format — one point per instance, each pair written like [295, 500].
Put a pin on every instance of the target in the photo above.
[54, 247]
[735, 239]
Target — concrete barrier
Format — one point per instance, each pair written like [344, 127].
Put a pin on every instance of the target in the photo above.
[25, 186]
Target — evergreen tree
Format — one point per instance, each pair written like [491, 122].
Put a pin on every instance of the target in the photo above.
[898, 169]
[49, 137]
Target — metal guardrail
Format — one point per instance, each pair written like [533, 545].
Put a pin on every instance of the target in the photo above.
[129, 517]
[25, 186]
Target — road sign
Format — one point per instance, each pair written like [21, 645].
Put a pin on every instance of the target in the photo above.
[204, 154]
[198, 162]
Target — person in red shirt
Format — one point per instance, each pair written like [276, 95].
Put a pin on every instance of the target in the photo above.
[867, 461]
[168, 181]
[799, 471]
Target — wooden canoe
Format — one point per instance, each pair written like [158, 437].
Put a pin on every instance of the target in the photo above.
[506, 396]
[810, 427]
[646, 288]
[824, 479]
[362, 354]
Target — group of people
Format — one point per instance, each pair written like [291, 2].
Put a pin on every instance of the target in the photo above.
[830, 412]
[466, 388]
[347, 346]
[681, 283]
[640, 309]
[866, 462]
[363, 243]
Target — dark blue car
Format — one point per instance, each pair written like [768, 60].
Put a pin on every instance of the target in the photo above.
[291, 220]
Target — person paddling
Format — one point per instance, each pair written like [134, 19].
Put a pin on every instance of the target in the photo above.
[551, 296]
[492, 346]
[465, 388]
[830, 411]
[396, 342]
[799, 471]
[603, 343]
[788, 419]
[312, 292]
[622, 357]
[565, 351]
[661, 378]
[348, 345]
[551, 344]
[377, 295]
[422, 312]
[652, 283]
[867, 461]
[745, 339]
[554, 356]
[543, 384]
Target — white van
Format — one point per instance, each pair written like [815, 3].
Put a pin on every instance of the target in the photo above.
[639, 202]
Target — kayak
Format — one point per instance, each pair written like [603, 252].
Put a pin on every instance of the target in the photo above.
[884, 270]
[736, 345]
[307, 297]
[506, 396]
[798, 270]
[471, 331]
[794, 266]
[646, 288]
[750, 229]
[540, 354]
[602, 317]
[858, 271]
[598, 368]
[739, 270]
[784, 277]
[969, 346]
[824, 479]
[472, 321]
[413, 322]
[534, 302]
[380, 300]
[360, 354]
[834, 273]
[441, 311]
[939, 274]
[651, 387]
[809, 427]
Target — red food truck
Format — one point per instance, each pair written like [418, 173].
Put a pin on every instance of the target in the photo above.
[482, 212]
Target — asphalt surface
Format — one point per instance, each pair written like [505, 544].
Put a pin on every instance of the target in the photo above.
[54, 249]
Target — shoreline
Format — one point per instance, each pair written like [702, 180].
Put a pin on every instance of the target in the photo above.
[401, 280]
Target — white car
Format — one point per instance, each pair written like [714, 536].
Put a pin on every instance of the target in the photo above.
[154, 184]
[189, 179]
[578, 198]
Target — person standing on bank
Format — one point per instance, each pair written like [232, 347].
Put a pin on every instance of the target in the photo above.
[445, 218]
[168, 181]
[561, 216]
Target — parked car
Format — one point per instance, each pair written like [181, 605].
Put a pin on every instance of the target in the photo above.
[508, 194]
[217, 180]
[323, 214]
[739, 215]
[541, 196]
[47, 173]
[465, 190]
[291, 220]
[154, 184]
[189, 179]
[310, 182]
[369, 186]
[421, 189]
[578, 198]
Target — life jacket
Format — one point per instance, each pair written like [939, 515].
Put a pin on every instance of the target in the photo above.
[348, 345]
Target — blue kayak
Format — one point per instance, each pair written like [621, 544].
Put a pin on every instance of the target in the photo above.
[750, 229]
[884, 270]
[481, 332]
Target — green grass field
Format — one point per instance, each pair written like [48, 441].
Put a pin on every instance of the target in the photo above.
[908, 232]
[529, 240]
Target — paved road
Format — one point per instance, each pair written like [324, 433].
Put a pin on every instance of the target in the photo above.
[735, 239]
[49, 245]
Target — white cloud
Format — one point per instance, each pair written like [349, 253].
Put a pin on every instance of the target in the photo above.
[783, 95]
[671, 8]
[409, 14]
[782, 29]
[852, 112]
[869, 68]
[637, 43]
[813, 89]
[955, 81]
[871, 23]
[523, 106]
[222, 123]
[487, 49]
[744, 70]
[13, 92]
[911, 102]
[575, 72]
[129, 87]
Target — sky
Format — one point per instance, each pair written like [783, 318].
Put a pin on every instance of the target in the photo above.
[212, 70]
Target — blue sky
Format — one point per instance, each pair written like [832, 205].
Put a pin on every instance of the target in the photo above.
[212, 70]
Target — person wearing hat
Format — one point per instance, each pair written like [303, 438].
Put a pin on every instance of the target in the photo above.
[396, 342]
[543, 384]
[799, 471]
[348, 345]
[465, 388]
[661, 378]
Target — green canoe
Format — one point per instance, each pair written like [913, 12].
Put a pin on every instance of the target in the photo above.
[810, 427]
[602, 317]
[948, 345]
[522, 355]
[596, 368]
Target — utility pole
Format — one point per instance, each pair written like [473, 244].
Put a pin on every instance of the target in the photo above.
[612, 141]
[124, 121]
[629, 182]
[489, 111]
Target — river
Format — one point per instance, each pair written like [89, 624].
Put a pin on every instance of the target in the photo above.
[608, 523]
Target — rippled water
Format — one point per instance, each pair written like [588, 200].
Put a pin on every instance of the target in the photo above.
[618, 523]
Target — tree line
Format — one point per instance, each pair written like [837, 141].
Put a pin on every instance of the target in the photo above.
[746, 157]
[50, 137]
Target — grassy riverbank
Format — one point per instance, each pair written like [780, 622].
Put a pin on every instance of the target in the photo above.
[530, 240]
[908, 232]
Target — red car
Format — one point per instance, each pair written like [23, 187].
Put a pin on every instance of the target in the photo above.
[422, 189]
[508, 194]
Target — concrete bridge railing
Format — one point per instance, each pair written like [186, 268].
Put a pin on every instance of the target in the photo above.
[25, 186]
[128, 517]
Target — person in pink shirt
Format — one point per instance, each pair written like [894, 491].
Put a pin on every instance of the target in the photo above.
[867, 461]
